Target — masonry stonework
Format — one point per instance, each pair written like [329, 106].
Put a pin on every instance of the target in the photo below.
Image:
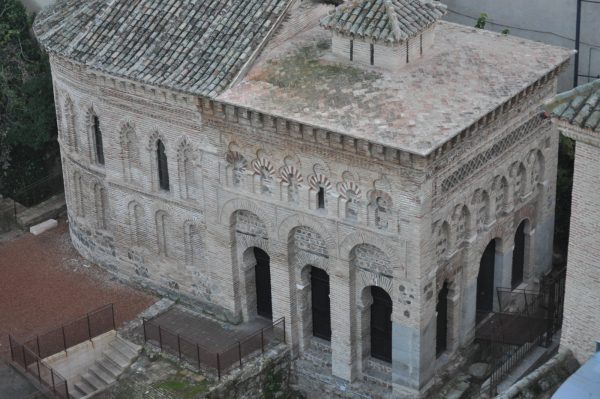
[380, 220]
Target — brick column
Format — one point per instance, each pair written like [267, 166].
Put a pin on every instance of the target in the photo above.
[282, 292]
[342, 350]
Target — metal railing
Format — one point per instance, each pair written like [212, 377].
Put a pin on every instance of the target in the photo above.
[503, 366]
[33, 365]
[93, 324]
[220, 361]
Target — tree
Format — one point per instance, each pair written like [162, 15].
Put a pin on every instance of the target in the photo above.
[28, 130]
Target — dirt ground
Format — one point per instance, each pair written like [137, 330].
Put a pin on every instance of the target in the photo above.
[45, 283]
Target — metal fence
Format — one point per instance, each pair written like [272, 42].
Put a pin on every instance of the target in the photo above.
[39, 191]
[33, 365]
[220, 361]
[93, 324]
[510, 359]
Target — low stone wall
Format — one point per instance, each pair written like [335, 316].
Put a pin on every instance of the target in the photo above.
[7, 216]
[543, 382]
[263, 377]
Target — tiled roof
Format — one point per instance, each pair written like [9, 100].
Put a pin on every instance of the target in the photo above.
[384, 20]
[197, 46]
[579, 107]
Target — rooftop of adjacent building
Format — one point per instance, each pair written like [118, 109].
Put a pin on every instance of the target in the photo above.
[579, 107]
[203, 48]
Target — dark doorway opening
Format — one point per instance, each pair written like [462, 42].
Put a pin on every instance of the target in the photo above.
[381, 325]
[485, 279]
[441, 343]
[321, 311]
[262, 269]
[518, 260]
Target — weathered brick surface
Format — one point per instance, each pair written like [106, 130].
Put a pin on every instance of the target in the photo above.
[581, 324]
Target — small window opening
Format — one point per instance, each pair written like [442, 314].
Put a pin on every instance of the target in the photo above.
[372, 54]
[163, 171]
[351, 50]
[98, 140]
[321, 198]
[407, 51]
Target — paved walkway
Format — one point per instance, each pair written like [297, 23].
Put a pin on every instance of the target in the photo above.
[13, 385]
[207, 332]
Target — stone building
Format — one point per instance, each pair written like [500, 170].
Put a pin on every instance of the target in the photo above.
[577, 115]
[361, 171]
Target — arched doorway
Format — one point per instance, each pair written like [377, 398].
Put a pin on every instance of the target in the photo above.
[381, 325]
[442, 321]
[485, 279]
[518, 261]
[262, 273]
[321, 310]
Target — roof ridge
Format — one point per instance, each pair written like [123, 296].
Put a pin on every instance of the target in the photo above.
[393, 17]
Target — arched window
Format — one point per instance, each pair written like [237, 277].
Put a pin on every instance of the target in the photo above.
[101, 206]
[163, 168]
[321, 198]
[162, 225]
[352, 205]
[98, 140]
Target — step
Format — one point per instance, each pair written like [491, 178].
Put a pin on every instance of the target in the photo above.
[102, 374]
[110, 366]
[117, 357]
[93, 381]
[126, 348]
[85, 387]
[76, 393]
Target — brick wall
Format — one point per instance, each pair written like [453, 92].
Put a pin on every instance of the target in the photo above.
[581, 323]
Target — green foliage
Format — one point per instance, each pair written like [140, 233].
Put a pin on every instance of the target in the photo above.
[564, 186]
[27, 117]
[183, 387]
[481, 21]
[505, 31]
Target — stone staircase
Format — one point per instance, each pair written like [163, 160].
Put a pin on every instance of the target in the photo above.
[114, 360]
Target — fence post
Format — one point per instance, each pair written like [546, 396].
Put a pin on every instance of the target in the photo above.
[38, 368]
[240, 353]
[52, 375]
[37, 341]
[218, 366]
[89, 327]
[112, 310]
[12, 353]
[144, 326]
[179, 346]
[262, 340]
[64, 338]
[159, 337]
[198, 355]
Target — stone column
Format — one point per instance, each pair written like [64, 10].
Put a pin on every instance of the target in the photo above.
[282, 290]
[342, 328]
[502, 269]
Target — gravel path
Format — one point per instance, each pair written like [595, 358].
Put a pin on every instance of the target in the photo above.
[45, 283]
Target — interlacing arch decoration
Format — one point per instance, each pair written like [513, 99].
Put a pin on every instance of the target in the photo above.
[500, 189]
[461, 220]
[351, 193]
[380, 209]
[518, 175]
[129, 150]
[70, 118]
[263, 168]
[238, 164]
[441, 236]
[186, 159]
[535, 161]
[291, 176]
[481, 204]
[317, 181]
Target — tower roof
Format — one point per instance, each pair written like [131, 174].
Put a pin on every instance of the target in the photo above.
[391, 21]
[196, 46]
